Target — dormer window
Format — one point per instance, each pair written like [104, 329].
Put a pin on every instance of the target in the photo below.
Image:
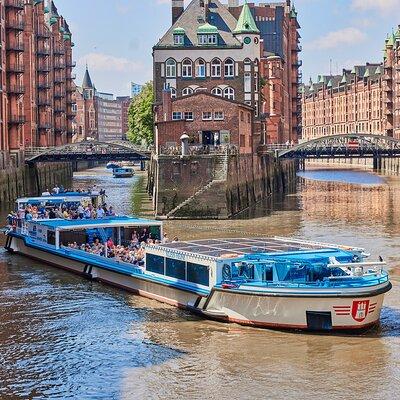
[207, 35]
[179, 36]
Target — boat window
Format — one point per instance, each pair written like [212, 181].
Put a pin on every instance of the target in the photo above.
[155, 263]
[51, 237]
[175, 268]
[198, 274]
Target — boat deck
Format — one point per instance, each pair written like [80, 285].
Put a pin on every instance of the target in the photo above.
[243, 246]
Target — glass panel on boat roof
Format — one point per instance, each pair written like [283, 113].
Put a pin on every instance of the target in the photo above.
[219, 253]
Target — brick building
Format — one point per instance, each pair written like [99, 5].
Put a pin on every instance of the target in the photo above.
[206, 118]
[348, 103]
[99, 115]
[37, 96]
[227, 50]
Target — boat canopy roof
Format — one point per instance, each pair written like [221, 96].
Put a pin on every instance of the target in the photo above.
[110, 222]
[258, 247]
[65, 198]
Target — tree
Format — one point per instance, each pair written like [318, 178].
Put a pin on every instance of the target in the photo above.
[140, 116]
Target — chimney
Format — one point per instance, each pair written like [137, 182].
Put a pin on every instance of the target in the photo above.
[177, 10]
[167, 104]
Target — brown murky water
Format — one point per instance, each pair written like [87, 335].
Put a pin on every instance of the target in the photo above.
[62, 337]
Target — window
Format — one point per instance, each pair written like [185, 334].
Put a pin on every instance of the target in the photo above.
[179, 40]
[187, 68]
[216, 68]
[229, 68]
[247, 82]
[173, 93]
[229, 93]
[155, 264]
[187, 91]
[171, 68]
[175, 269]
[176, 116]
[208, 39]
[188, 116]
[217, 91]
[218, 115]
[207, 116]
[198, 274]
[200, 68]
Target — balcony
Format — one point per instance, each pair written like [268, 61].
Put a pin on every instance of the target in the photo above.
[43, 51]
[71, 88]
[15, 46]
[59, 80]
[58, 94]
[44, 125]
[60, 129]
[16, 89]
[43, 102]
[18, 4]
[43, 68]
[15, 68]
[71, 115]
[15, 25]
[59, 51]
[44, 86]
[71, 64]
[59, 65]
[16, 119]
[297, 63]
[43, 33]
[72, 77]
[297, 49]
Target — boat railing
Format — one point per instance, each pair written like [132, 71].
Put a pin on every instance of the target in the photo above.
[325, 283]
[321, 244]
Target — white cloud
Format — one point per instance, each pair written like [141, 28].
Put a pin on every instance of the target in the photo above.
[380, 5]
[343, 37]
[107, 62]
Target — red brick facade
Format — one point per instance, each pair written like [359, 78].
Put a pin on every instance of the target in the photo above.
[37, 80]
[207, 119]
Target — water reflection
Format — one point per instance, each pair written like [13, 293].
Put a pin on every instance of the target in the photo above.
[62, 337]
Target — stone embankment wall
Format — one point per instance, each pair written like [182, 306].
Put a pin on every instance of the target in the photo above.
[215, 186]
[31, 180]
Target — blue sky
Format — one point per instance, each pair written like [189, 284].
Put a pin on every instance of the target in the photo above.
[115, 37]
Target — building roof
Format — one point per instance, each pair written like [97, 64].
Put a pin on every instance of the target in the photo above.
[87, 81]
[246, 23]
[193, 17]
[207, 29]
[66, 224]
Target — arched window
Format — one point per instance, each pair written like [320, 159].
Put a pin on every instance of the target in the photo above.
[187, 68]
[247, 61]
[200, 68]
[229, 93]
[229, 68]
[170, 67]
[173, 93]
[216, 68]
[187, 91]
[217, 91]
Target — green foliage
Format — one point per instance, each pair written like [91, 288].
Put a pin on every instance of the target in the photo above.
[140, 117]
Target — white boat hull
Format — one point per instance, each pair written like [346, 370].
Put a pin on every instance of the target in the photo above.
[284, 310]
[296, 312]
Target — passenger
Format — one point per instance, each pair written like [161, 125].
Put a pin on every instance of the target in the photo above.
[100, 213]
[165, 239]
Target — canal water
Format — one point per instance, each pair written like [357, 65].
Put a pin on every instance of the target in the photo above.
[62, 337]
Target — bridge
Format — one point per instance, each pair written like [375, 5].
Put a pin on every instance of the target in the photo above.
[343, 146]
[88, 151]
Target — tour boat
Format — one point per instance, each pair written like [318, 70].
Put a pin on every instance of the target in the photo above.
[123, 172]
[264, 282]
[112, 165]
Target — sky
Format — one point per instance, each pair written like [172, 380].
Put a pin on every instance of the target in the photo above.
[115, 38]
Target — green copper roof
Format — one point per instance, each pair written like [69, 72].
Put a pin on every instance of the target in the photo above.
[46, 10]
[378, 70]
[53, 20]
[36, 2]
[391, 40]
[246, 23]
[344, 79]
[293, 12]
[366, 74]
[207, 29]
[329, 85]
[62, 30]
[67, 36]
[178, 31]
[321, 79]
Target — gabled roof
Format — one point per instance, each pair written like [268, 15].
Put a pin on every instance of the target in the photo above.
[246, 23]
[87, 81]
[194, 16]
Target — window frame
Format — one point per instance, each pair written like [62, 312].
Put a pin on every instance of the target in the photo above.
[176, 113]
[200, 64]
[220, 118]
[216, 64]
[229, 68]
[187, 91]
[187, 66]
[231, 94]
[185, 117]
[207, 119]
[217, 88]
[168, 67]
